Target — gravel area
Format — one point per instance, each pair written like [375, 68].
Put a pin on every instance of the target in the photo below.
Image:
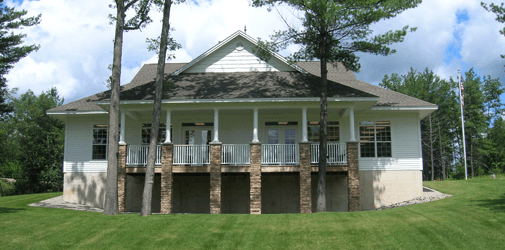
[58, 202]
[428, 195]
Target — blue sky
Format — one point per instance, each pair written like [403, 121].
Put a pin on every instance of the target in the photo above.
[76, 46]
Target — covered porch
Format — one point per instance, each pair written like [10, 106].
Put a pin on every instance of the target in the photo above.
[216, 141]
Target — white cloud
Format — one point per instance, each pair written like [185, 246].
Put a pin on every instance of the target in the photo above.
[76, 41]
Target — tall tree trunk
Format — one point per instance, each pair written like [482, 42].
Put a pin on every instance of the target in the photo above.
[149, 179]
[431, 152]
[111, 199]
[442, 158]
[321, 174]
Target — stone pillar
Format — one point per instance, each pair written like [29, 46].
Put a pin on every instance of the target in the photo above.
[215, 177]
[167, 152]
[305, 178]
[353, 176]
[121, 178]
[255, 174]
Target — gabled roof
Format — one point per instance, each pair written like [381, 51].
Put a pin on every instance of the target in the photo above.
[302, 82]
[216, 47]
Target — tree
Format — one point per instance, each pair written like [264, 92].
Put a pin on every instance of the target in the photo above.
[499, 10]
[10, 51]
[35, 142]
[333, 31]
[431, 88]
[138, 21]
[165, 41]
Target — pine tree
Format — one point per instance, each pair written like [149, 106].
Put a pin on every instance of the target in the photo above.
[10, 51]
[333, 31]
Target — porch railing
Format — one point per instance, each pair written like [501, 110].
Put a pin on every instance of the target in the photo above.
[137, 155]
[236, 154]
[191, 154]
[280, 154]
[336, 153]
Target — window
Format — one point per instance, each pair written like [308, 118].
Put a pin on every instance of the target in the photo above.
[99, 142]
[332, 129]
[162, 131]
[375, 139]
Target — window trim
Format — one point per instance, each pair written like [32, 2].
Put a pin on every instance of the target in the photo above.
[161, 129]
[316, 123]
[375, 139]
[106, 128]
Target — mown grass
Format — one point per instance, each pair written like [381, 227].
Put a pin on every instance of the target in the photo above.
[474, 218]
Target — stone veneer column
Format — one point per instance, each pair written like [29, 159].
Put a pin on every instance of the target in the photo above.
[215, 177]
[121, 178]
[167, 152]
[353, 176]
[255, 175]
[305, 178]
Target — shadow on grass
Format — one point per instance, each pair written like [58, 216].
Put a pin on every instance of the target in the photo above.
[496, 205]
[7, 210]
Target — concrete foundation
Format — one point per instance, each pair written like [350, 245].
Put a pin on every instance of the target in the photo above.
[382, 188]
[85, 188]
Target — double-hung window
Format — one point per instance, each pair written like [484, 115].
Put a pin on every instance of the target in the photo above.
[99, 142]
[375, 139]
[332, 130]
[146, 133]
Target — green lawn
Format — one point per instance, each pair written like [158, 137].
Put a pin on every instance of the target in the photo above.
[474, 218]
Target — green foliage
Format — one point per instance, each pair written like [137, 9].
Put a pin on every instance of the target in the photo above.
[34, 149]
[499, 10]
[172, 45]
[429, 87]
[484, 126]
[336, 30]
[10, 51]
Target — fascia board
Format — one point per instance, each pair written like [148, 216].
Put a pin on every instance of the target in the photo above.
[407, 108]
[94, 112]
[248, 100]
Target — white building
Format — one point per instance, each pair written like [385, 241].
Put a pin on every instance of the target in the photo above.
[243, 138]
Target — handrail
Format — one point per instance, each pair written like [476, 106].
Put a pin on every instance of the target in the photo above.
[191, 154]
[238, 154]
[336, 153]
[280, 154]
[137, 155]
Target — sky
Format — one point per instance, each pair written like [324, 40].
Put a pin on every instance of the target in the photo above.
[76, 41]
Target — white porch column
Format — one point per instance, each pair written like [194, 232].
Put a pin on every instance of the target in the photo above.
[121, 134]
[167, 127]
[216, 125]
[304, 125]
[255, 128]
[351, 124]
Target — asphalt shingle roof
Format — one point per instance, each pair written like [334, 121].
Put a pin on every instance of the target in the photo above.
[342, 83]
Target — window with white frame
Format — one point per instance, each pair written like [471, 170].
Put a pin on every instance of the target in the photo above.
[332, 130]
[375, 139]
[146, 133]
[99, 142]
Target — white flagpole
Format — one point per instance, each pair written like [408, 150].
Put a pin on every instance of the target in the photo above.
[462, 121]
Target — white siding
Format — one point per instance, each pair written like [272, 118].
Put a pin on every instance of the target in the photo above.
[78, 144]
[236, 128]
[405, 142]
[230, 59]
